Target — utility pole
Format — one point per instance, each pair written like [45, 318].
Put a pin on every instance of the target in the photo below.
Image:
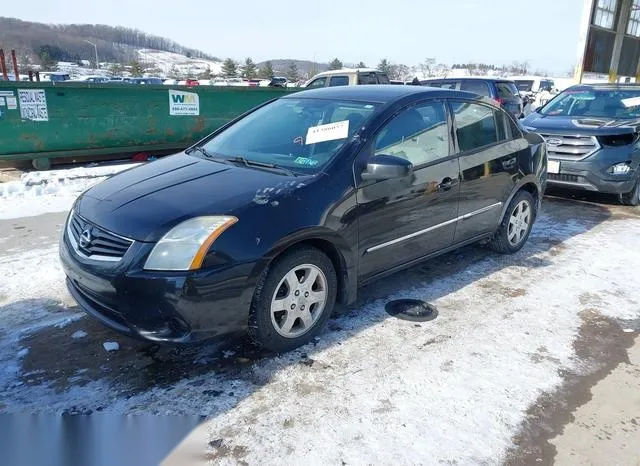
[96, 49]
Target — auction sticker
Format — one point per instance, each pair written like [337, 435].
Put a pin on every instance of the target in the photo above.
[12, 103]
[33, 104]
[328, 132]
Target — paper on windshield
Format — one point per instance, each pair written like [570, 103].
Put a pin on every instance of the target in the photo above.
[328, 132]
[631, 102]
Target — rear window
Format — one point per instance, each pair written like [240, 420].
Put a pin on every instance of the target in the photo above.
[507, 90]
[339, 81]
[442, 84]
[383, 78]
[477, 87]
[367, 78]
[524, 85]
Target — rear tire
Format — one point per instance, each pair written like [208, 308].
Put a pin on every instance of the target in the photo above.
[515, 227]
[632, 198]
[293, 300]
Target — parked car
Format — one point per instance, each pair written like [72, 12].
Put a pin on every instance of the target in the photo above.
[192, 82]
[592, 133]
[347, 77]
[268, 222]
[55, 76]
[278, 81]
[92, 79]
[532, 84]
[502, 91]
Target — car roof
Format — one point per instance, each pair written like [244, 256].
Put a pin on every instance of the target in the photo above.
[348, 70]
[379, 93]
[468, 78]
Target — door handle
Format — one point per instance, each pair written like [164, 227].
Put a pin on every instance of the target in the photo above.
[446, 184]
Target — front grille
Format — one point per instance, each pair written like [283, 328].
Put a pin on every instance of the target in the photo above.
[563, 177]
[567, 147]
[94, 242]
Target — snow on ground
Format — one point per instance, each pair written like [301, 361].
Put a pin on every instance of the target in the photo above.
[374, 389]
[41, 192]
[166, 60]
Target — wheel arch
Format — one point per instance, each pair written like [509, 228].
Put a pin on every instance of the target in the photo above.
[333, 245]
[529, 184]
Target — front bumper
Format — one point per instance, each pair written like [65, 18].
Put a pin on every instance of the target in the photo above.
[591, 173]
[159, 306]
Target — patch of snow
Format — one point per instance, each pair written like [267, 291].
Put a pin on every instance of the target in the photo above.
[628, 330]
[379, 390]
[42, 192]
[79, 334]
[111, 346]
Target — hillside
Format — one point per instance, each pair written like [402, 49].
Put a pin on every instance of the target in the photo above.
[280, 66]
[34, 41]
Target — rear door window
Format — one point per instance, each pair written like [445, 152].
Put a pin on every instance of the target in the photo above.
[339, 81]
[367, 78]
[443, 84]
[477, 125]
[507, 91]
[477, 87]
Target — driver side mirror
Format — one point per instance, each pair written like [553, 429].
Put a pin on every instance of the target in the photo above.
[386, 167]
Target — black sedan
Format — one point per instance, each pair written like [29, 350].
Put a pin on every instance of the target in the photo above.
[268, 222]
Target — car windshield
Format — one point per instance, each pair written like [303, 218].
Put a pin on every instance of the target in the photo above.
[524, 86]
[597, 103]
[302, 135]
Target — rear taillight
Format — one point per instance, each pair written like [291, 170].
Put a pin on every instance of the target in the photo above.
[500, 100]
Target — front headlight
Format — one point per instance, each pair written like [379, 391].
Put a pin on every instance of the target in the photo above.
[186, 244]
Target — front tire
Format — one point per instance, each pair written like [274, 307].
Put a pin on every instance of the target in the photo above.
[514, 230]
[293, 300]
[632, 198]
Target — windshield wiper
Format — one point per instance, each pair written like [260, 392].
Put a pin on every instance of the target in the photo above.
[265, 165]
[211, 156]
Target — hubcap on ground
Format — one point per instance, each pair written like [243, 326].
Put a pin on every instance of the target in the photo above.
[299, 300]
[519, 223]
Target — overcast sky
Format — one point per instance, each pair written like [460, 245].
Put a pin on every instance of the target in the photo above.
[544, 32]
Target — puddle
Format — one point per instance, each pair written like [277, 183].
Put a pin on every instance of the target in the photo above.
[413, 310]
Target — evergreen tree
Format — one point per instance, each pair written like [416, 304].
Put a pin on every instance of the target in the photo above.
[385, 66]
[229, 68]
[174, 73]
[115, 69]
[47, 62]
[266, 70]
[335, 64]
[206, 74]
[292, 72]
[361, 65]
[249, 70]
[136, 68]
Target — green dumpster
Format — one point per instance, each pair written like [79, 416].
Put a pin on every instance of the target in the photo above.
[41, 121]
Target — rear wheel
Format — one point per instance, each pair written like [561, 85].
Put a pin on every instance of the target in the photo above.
[632, 198]
[293, 300]
[516, 225]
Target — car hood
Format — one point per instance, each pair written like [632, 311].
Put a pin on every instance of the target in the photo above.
[577, 125]
[143, 203]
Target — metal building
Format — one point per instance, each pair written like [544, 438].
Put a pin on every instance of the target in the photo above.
[610, 39]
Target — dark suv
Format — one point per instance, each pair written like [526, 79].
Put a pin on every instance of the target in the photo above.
[501, 90]
[592, 134]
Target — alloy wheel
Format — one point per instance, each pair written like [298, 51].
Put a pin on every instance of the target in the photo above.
[298, 300]
[519, 223]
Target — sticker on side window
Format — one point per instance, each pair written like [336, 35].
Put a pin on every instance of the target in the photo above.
[328, 132]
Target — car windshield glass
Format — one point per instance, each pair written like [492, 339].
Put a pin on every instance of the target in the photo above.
[302, 135]
[597, 103]
[525, 86]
